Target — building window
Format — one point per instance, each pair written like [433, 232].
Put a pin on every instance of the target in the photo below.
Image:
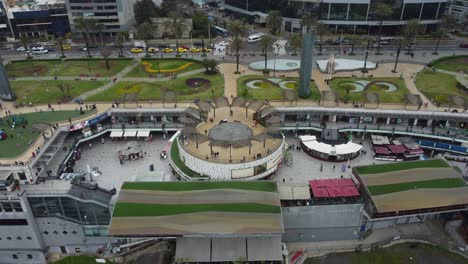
[22, 176]
[30, 257]
[17, 206]
[19, 238]
[65, 232]
[7, 206]
[46, 232]
[28, 238]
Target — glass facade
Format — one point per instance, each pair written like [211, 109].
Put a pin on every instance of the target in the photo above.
[86, 213]
[338, 11]
[324, 11]
[357, 12]
[411, 11]
[429, 11]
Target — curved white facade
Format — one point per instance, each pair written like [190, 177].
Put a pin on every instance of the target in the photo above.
[253, 170]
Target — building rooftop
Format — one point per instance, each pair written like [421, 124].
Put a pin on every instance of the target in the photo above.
[203, 208]
[416, 185]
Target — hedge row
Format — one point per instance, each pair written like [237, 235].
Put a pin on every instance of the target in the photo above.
[434, 62]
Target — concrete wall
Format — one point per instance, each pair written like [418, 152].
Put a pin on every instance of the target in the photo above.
[321, 222]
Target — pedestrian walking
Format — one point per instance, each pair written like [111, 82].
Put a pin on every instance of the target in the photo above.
[69, 120]
[90, 145]
[102, 140]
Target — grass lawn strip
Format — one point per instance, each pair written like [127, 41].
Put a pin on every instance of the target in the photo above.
[455, 64]
[269, 90]
[373, 169]
[385, 97]
[142, 210]
[29, 68]
[47, 92]
[194, 186]
[144, 91]
[79, 260]
[438, 86]
[91, 67]
[164, 64]
[399, 187]
[16, 145]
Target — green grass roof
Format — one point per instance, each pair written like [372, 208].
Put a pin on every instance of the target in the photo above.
[399, 187]
[145, 210]
[263, 186]
[382, 168]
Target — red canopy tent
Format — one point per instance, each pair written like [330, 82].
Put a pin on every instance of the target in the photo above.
[381, 150]
[350, 191]
[346, 182]
[397, 149]
[320, 192]
[334, 191]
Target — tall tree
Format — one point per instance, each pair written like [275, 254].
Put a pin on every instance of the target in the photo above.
[106, 53]
[442, 29]
[266, 42]
[307, 22]
[354, 40]
[295, 42]
[382, 10]
[145, 32]
[410, 30]
[176, 26]
[61, 41]
[238, 30]
[320, 29]
[399, 44]
[274, 21]
[168, 6]
[100, 27]
[25, 41]
[201, 24]
[144, 10]
[85, 26]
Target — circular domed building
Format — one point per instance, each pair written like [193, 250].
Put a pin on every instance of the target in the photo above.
[223, 141]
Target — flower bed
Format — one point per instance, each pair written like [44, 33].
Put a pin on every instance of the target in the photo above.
[197, 82]
[148, 68]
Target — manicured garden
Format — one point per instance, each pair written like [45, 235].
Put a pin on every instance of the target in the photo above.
[48, 92]
[272, 88]
[397, 254]
[142, 210]
[166, 67]
[71, 67]
[264, 186]
[400, 187]
[452, 63]
[186, 88]
[19, 138]
[382, 168]
[389, 89]
[438, 86]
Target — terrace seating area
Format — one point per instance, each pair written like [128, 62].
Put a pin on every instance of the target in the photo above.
[429, 144]
[400, 149]
[333, 188]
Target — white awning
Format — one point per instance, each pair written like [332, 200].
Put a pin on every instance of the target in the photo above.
[130, 133]
[307, 138]
[144, 133]
[347, 148]
[294, 191]
[118, 133]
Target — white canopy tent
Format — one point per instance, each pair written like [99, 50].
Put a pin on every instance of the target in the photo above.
[130, 133]
[117, 133]
[143, 133]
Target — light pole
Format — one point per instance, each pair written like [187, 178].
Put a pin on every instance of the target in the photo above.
[364, 70]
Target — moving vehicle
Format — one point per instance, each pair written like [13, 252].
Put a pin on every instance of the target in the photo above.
[464, 45]
[38, 48]
[168, 50]
[136, 50]
[181, 50]
[40, 52]
[255, 37]
[153, 50]
[20, 49]
[195, 50]
[66, 47]
[220, 31]
[207, 50]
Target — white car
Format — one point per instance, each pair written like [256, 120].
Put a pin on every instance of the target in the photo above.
[40, 52]
[39, 48]
[20, 49]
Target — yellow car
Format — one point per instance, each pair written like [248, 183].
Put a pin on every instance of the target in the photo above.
[153, 50]
[207, 50]
[66, 47]
[137, 50]
[182, 50]
[193, 49]
[168, 50]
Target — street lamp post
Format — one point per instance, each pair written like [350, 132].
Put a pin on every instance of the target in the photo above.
[364, 70]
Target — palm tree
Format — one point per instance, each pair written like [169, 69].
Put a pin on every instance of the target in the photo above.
[382, 10]
[25, 41]
[106, 53]
[447, 24]
[238, 30]
[295, 42]
[410, 30]
[85, 26]
[354, 40]
[175, 25]
[266, 41]
[399, 44]
[320, 29]
[145, 31]
[307, 22]
[61, 40]
[274, 21]
[210, 65]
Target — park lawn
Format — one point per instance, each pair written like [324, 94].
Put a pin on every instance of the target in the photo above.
[438, 86]
[79, 260]
[404, 253]
[142, 210]
[262, 186]
[397, 96]
[175, 157]
[144, 91]
[432, 184]
[383, 168]
[96, 67]
[47, 92]
[454, 64]
[22, 138]
[270, 91]
[164, 64]
[30, 68]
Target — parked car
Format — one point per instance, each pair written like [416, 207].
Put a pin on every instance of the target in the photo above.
[464, 45]
[66, 47]
[21, 49]
[153, 50]
[207, 50]
[195, 50]
[182, 50]
[168, 50]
